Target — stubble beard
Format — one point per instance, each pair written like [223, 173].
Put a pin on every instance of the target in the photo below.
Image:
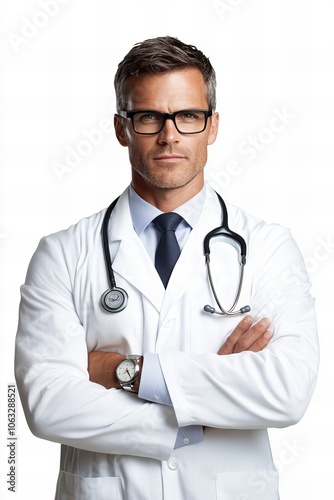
[168, 176]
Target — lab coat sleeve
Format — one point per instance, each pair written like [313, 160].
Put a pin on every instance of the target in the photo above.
[153, 388]
[59, 401]
[271, 388]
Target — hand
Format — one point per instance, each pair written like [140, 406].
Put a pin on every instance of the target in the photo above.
[247, 336]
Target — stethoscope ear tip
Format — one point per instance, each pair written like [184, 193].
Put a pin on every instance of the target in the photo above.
[209, 309]
[212, 310]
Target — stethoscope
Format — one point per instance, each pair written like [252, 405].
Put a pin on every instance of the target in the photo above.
[115, 299]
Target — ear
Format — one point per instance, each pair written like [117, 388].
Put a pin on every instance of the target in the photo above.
[213, 128]
[120, 130]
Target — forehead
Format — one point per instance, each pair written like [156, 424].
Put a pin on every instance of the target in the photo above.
[171, 91]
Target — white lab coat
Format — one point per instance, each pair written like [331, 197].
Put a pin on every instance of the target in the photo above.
[116, 446]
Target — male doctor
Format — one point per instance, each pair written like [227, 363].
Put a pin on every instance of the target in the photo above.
[154, 398]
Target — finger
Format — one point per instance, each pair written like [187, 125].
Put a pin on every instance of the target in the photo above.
[239, 330]
[262, 342]
[252, 335]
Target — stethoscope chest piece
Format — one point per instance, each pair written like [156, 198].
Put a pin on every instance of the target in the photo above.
[114, 300]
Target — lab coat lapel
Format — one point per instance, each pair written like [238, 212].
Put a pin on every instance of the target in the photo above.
[129, 256]
[191, 261]
[133, 263]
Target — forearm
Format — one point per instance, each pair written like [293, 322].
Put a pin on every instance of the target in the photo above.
[246, 336]
[61, 404]
[64, 406]
[102, 368]
[271, 388]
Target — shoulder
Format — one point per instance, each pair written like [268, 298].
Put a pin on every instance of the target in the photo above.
[250, 226]
[59, 254]
[262, 238]
[268, 244]
[82, 235]
[87, 231]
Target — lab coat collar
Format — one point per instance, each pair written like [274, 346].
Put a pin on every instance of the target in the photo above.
[132, 262]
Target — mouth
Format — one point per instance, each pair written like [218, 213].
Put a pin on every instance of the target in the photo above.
[169, 158]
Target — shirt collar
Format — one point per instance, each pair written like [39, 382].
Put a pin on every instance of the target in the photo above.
[143, 213]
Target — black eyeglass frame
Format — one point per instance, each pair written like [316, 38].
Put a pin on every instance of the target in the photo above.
[166, 116]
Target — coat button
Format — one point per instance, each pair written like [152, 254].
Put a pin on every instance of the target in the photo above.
[173, 463]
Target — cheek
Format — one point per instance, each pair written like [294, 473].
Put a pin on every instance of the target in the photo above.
[144, 146]
[132, 143]
[138, 152]
[201, 149]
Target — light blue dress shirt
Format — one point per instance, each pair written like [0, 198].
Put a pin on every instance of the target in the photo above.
[152, 383]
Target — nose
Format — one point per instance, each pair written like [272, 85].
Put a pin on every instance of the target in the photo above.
[168, 133]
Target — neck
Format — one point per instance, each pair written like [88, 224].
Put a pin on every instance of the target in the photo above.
[168, 199]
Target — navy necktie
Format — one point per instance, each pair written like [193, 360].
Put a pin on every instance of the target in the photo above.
[168, 249]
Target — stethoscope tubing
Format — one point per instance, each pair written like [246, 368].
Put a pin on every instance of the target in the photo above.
[105, 245]
[115, 299]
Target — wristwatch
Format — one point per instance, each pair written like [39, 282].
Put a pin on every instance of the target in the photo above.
[127, 372]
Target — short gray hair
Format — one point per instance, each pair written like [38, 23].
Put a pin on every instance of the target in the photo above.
[160, 55]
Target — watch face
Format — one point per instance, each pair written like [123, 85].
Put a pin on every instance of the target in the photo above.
[125, 370]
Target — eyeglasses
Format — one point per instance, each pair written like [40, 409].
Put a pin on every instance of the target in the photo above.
[187, 121]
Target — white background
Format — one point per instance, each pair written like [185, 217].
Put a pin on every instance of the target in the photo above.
[57, 82]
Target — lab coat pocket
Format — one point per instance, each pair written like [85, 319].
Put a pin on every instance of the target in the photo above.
[73, 487]
[252, 485]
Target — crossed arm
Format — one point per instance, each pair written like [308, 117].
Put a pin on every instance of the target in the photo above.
[247, 336]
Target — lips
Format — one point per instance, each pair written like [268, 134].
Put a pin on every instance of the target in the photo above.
[169, 157]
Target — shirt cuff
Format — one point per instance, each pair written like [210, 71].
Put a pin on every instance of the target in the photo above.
[153, 388]
[152, 382]
[191, 434]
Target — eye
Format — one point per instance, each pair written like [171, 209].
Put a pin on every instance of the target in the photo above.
[189, 116]
[148, 117]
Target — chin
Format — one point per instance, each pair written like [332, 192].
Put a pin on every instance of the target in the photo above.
[174, 183]
[168, 178]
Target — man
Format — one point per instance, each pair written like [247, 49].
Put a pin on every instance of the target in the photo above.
[186, 416]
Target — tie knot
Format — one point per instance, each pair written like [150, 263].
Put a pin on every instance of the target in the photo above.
[167, 222]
